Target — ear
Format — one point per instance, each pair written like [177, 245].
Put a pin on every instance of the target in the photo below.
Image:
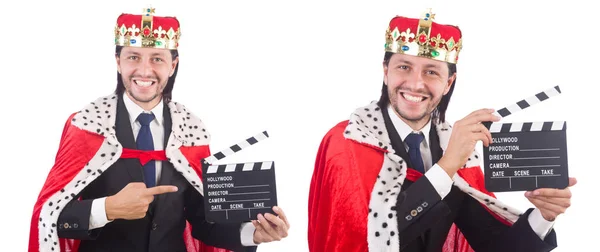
[385, 73]
[449, 84]
[118, 59]
[173, 66]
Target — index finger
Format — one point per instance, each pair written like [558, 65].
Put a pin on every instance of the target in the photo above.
[281, 215]
[161, 189]
[481, 117]
[480, 111]
[551, 192]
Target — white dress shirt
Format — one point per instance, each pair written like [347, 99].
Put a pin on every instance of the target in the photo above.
[98, 216]
[440, 179]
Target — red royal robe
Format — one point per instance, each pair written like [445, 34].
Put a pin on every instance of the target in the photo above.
[85, 146]
[351, 157]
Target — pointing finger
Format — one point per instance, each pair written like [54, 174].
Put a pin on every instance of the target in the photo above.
[161, 189]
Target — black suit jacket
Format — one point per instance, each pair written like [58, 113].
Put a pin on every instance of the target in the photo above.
[428, 230]
[162, 227]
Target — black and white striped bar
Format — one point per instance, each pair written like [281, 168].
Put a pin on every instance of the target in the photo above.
[526, 156]
[529, 101]
[526, 126]
[236, 147]
[252, 166]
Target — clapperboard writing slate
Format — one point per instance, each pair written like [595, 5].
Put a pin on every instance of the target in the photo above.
[524, 156]
[238, 192]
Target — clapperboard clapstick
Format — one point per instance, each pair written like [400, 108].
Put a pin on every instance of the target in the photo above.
[237, 192]
[525, 156]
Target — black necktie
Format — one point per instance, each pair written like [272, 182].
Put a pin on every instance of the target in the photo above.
[413, 140]
[144, 142]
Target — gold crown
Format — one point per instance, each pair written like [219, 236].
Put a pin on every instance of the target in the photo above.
[147, 30]
[431, 40]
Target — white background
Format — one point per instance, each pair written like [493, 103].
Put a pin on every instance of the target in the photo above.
[293, 68]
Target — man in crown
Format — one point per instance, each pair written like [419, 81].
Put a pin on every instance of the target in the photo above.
[127, 175]
[397, 177]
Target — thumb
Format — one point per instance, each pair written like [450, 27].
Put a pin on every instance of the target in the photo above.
[572, 181]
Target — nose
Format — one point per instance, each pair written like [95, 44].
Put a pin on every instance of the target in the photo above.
[145, 69]
[415, 81]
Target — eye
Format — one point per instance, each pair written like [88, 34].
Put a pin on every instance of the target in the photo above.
[403, 67]
[133, 57]
[431, 72]
[157, 60]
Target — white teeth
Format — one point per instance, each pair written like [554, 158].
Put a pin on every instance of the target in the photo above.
[412, 98]
[143, 83]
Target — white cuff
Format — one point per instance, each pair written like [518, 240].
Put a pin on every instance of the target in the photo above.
[539, 225]
[98, 215]
[440, 180]
[247, 234]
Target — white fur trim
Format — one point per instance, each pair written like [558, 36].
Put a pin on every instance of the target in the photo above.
[366, 126]
[382, 225]
[188, 128]
[181, 164]
[507, 212]
[99, 117]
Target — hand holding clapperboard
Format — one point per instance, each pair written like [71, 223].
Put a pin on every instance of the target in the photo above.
[237, 192]
[524, 156]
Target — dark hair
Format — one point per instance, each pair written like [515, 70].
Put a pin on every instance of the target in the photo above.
[439, 113]
[166, 94]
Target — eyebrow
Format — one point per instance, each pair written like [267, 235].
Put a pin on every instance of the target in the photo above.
[432, 66]
[403, 61]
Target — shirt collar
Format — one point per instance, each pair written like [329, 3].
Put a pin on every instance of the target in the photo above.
[135, 110]
[403, 128]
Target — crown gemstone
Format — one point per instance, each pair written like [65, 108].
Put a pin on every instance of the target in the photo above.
[146, 31]
[422, 38]
[435, 53]
[132, 41]
[405, 48]
[158, 43]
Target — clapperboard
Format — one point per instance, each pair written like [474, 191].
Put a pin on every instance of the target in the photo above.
[524, 156]
[237, 192]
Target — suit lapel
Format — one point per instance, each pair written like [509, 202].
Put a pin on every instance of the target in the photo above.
[395, 139]
[125, 136]
[166, 173]
[167, 169]
[434, 145]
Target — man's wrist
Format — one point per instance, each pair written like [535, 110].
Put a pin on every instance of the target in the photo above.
[448, 165]
[108, 208]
